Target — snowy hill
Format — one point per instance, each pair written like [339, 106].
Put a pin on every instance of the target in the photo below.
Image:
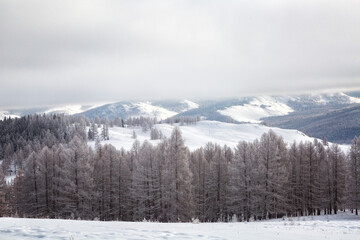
[65, 109]
[331, 227]
[256, 109]
[158, 109]
[199, 135]
[70, 109]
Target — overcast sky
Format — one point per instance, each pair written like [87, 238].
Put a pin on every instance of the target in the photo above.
[57, 52]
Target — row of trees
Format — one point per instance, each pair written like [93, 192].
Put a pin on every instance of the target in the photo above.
[182, 120]
[257, 180]
[73, 181]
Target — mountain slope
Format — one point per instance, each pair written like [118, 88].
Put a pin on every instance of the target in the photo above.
[70, 109]
[336, 124]
[257, 109]
[253, 109]
[159, 109]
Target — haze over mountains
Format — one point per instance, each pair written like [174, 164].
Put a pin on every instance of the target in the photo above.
[331, 115]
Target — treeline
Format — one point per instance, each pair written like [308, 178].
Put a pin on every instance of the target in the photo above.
[20, 136]
[256, 180]
[182, 120]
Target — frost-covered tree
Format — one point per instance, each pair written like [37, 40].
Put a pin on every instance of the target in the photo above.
[179, 202]
[79, 178]
[241, 182]
[155, 134]
[105, 177]
[93, 132]
[105, 132]
[45, 176]
[325, 179]
[338, 173]
[133, 159]
[3, 191]
[146, 185]
[123, 187]
[163, 172]
[273, 166]
[31, 185]
[217, 179]
[354, 176]
[198, 165]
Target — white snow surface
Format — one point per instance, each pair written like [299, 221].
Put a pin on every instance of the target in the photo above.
[149, 110]
[325, 98]
[71, 109]
[191, 105]
[256, 109]
[335, 227]
[9, 179]
[199, 135]
[351, 99]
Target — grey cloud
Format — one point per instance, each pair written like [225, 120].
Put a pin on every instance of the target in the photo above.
[88, 51]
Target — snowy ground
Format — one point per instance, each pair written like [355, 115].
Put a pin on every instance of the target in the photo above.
[198, 135]
[343, 226]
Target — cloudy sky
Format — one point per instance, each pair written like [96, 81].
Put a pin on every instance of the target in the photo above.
[57, 52]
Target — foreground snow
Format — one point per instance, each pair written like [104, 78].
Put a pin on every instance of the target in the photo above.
[343, 226]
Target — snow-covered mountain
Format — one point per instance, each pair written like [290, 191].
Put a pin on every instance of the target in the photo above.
[256, 109]
[159, 109]
[249, 109]
[62, 109]
[305, 102]
[70, 109]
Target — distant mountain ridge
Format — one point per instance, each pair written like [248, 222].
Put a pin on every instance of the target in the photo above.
[338, 125]
[157, 109]
[220, 110]
[331, 115]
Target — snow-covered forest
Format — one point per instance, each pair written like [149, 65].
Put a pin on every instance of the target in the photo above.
[59, 176]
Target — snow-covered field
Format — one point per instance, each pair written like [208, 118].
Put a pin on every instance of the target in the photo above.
[199, 135]
[335, 227]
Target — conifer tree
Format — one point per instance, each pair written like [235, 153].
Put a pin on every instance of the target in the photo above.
[180, 202]
[354, 176]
